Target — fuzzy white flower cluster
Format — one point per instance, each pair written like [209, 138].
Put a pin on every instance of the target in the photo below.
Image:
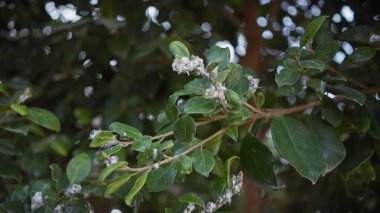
[194, 65]
[94, 133]
[216, 91]
[73, 189]
[37, 201]
[111, 160]
[190, 208]
[58, 208]
[253, 83]
[236, 185]
[374, 38]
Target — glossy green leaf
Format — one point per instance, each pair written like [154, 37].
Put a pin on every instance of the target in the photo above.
[233, 132]
[171, 110]
[109, 169]
[161, 178]
[367, 172]
[116, 184]
[222, 76]
[312, 149]
[218, 54]
[348, 93]
[20, 109]
[185, 165]
[195, 87]
[327, 50]
[178, 49]
[287, 76]
[314, 66]
[44, 118]
[359, 150]
[125, 130]
[257, 160]
[234, 76]
[233, 99]
[311, 30]
[362, 54]
[142, 144]
[330, 111]
[191, 198]
[259, 99]
[228, 165]
[288, 90]
[200, 105]
[79, 168]
[140, 181]
[3, 89]
[102, 138]
[184, 129]
[8, 147]
[36, 164]
[219, 188]
[203, 161]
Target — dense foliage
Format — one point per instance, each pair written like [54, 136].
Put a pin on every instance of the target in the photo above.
[115, 105]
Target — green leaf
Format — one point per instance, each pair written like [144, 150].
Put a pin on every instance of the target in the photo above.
[327, 50]
[79, 168]
[116, 184]
[171, 110]
[362, 54]
[36, 164]
[311, 30]
[8, 147]
[259, 99]
[359, 150]
[287, 76]
[20, 109]
[314, 66]
[142, 144]
[228, 165]
[234, 76]
[331, 148]
[136, 188]
[44, 118]
[367, 172]
[125, 130]
[219, 188]
[288, 90]
[195, 87]
[222, 76]
[348, 93]
[184, 129]
[9, 171]
[4, 90]
[191, 198]
[178, 49]
[185, 165]
[200, 105]
[330, 111]
[102, 138]
[161, 178]
[203, 161]
[218, 54]
[257, 160]
[109, 169]
[233, 99]
[313, 149]
[233, 132]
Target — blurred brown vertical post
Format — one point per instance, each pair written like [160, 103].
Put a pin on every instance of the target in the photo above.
[254, 203]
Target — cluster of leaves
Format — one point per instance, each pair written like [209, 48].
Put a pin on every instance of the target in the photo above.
[313, 144]
[337, 115]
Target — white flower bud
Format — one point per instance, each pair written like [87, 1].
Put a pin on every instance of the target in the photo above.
[73, 189]
[94, 133]
[58, 208]
[374, 38]
[216, 91]
[253, 83]
[156, 165]
[111, 160]
[37, 201]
